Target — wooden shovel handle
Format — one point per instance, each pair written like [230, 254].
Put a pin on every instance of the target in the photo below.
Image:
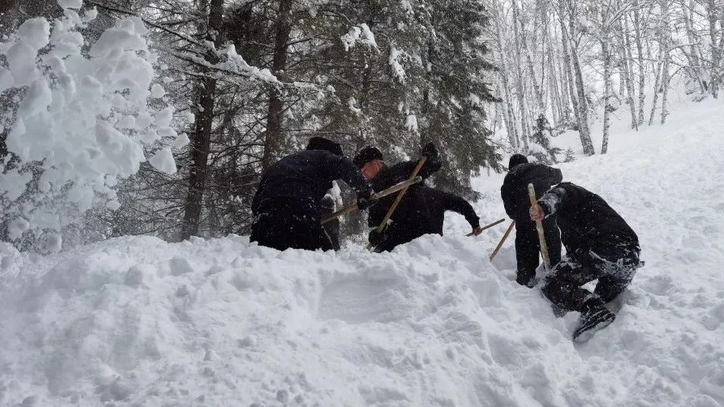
[379, 195]
[398, 198]
[539, 228]
[487, 226]
[502, 240]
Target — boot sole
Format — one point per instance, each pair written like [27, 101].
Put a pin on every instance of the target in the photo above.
[584, 333]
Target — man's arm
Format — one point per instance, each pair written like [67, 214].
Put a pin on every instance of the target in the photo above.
[402, 171]
[560, 197]
[457, 204]
[343, 168]
[510, 203]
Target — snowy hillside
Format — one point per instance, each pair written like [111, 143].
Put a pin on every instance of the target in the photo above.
[139, 322]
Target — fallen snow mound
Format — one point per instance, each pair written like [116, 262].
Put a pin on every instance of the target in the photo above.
[140, 322]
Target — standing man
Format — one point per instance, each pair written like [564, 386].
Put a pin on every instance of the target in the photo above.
[517, 202]
[422, 208]
[286, 207]
[600, 245]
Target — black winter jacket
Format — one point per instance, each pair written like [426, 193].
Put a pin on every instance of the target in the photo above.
[515, 188]
[306, 176]
[438, 202]
[409, 205]
[586, 221]
[422, 208]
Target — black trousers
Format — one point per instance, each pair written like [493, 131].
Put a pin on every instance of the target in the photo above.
[527, 247]
[282, 223]
[614, 271]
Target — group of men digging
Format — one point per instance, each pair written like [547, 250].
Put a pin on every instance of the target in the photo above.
[292, 199]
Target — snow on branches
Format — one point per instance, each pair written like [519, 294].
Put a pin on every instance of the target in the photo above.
[79, 119]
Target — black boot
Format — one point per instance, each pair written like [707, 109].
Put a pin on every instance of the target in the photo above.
[594, 317]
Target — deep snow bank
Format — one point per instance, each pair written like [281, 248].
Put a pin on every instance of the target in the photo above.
[139, 322]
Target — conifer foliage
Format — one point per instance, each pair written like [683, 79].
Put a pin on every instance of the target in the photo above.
[248, 82]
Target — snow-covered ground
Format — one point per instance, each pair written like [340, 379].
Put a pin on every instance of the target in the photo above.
[140, 322]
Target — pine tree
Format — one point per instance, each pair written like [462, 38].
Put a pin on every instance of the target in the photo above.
[456, 91]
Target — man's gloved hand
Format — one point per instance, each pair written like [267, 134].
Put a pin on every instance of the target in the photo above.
[375, 237]
[536, 212]
[430, 151]
[477, 231]
[364, 199]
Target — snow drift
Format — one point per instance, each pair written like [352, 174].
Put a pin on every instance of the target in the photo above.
[140, 322]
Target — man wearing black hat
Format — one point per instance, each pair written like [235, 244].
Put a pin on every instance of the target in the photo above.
[516, 202]
[286, 206]
[422, 209]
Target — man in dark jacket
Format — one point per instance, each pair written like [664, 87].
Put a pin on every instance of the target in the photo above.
[286, 206]
[517, 203]
[599, 244]
[421, 209]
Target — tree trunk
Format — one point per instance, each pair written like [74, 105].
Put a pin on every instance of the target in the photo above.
[520, 89]
[273, 139]
[583, 128]
[666, 35]
[508, 114]
[694, 49]
[627, 61]
[201, 139]
[523, 41]
[712, 10]
[554, 82]
[568, 65]
[642, 67]
[607, 92]
[562, 63]
[657, 86]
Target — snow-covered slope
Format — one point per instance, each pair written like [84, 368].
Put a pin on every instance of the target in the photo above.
[139, 322]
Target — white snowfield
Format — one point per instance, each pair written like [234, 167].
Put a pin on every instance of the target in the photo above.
[140, 322]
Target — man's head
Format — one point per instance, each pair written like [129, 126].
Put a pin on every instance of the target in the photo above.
[321, 143]
[370, 161]
[516, 160]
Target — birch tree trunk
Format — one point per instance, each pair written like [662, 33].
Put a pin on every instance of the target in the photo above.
[607, 109]
[665, 67]
[657, 86]
[520, 88]
[642, 66]
[570, 86]
[712, 13]
[554, 84]
[627, 61]
[694, 49]
[508, 114]
[583, 128]
[522, 39]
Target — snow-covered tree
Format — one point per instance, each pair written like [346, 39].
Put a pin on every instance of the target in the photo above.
[82, 119]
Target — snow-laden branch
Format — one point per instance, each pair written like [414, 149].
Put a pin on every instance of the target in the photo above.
[80, 121]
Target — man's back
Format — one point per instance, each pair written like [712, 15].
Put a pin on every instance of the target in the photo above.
[437, 202]
[515, 187]
[307, 174]
[586, 219]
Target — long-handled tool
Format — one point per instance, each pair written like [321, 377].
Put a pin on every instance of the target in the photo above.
[379, 195]
[390, 211]
[539, 227]
[479, 230]
[502, 240]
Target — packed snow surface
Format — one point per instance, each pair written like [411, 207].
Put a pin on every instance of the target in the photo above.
[140, 322]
